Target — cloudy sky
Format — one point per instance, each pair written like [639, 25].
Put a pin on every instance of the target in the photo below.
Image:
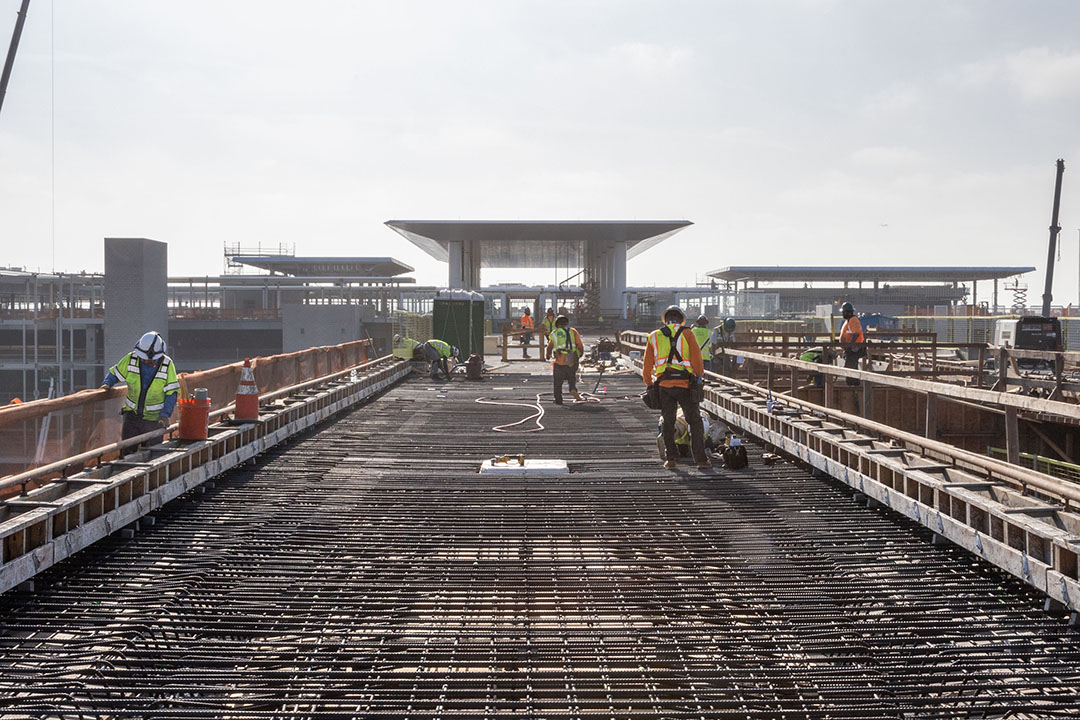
[789, 131]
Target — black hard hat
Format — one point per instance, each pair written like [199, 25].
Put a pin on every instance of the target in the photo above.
[703, 320]
[847, 308]
[562, 320]
[673, 309]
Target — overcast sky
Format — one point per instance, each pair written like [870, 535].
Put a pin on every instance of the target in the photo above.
[790, 132]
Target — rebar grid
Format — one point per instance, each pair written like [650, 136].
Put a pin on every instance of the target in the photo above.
[367, 570]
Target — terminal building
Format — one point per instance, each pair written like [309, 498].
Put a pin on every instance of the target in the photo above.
[60, 331]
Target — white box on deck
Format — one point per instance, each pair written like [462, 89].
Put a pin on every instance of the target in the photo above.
[532, 466]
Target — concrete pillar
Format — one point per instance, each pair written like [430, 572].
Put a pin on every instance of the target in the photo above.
[456, 279]
[136, 277]
[619, 267]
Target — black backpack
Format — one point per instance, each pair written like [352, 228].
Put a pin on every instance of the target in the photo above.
[735, 457]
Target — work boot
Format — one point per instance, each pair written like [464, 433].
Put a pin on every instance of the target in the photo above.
[577, 396]
[670, 463]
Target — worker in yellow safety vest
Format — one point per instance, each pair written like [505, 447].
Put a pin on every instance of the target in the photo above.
[703, 335]
[672, 362]
[547, 326]
[438, 353]
[852, 340]
[406, 347]
[566, 349]
[152, 386]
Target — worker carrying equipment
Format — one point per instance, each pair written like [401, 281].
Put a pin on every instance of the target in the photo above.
[673, 364]
[566, 348]
[852, 340]
[152, 386]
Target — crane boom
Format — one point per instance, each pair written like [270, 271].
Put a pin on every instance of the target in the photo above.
[1054, 230]
[12, 49]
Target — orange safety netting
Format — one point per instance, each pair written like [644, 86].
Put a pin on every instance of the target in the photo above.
[89, 419]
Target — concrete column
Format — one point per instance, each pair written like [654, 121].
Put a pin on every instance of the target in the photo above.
[619, 282]
[136, 272]
[456, 280]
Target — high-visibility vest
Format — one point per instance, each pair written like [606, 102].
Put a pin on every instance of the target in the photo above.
[662, 348]
[702, 334]
[444, 349]
[548, 325]
[847, 334]
[526, 322]
[562, 341]
[164, 382]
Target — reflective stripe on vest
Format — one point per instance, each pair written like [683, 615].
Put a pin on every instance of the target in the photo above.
[163, 383]
[702, 334]
[443, 348]
[662, 348]
[562, 340]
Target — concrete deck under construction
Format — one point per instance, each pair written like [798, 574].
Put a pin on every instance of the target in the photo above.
[367, 570]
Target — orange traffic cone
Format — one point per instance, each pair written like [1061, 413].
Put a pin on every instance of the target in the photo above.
[247, 394]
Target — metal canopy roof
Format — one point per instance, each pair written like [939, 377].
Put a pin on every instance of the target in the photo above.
[534, 243]
[777, 273]
[326, 266]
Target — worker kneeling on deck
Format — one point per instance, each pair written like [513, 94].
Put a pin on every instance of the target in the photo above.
[407, 348]
[152, 387]
[852, 340]
[438, 353]
[713, 433]
[673, 361]
[566, 348]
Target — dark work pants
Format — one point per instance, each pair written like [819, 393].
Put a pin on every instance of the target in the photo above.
[437, 362]
[564, 373]
[851, 360]
[671, 398]
[135, 426]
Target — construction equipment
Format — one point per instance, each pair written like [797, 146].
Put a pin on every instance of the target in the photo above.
[12, 49]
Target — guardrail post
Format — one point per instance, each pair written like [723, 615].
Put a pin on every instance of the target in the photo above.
[1012, 435]
[1003, 371]
[982, 366]
[830, 386]
[867, 399]
[931, 416]
[1059, 371]
[505, 342]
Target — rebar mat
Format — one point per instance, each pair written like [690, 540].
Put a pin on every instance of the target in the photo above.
[366, 570]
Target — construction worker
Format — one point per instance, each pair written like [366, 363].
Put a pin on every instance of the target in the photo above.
[406, 347]
[820, 355]
[438, 353]
[723, 335]
[547, 326]
[152, 387]
[526, 324]
[704, 338]
[566, 349]
[852, 340]
[673, 361]
[682, 434]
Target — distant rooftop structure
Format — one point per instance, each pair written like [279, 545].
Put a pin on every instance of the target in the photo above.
[534, 243]
[840, 273]
[337, 267]
[599, 248]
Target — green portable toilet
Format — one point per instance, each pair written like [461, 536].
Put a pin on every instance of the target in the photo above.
[458, 318]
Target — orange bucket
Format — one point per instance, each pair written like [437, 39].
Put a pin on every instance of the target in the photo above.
[194, 418]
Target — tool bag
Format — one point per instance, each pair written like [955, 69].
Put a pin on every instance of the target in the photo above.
[651, 397]
[735, 457]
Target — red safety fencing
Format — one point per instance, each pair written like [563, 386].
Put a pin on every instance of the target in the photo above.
[89, 419]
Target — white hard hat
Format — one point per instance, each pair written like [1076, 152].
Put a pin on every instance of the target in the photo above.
[397, 339]
[150, 347]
